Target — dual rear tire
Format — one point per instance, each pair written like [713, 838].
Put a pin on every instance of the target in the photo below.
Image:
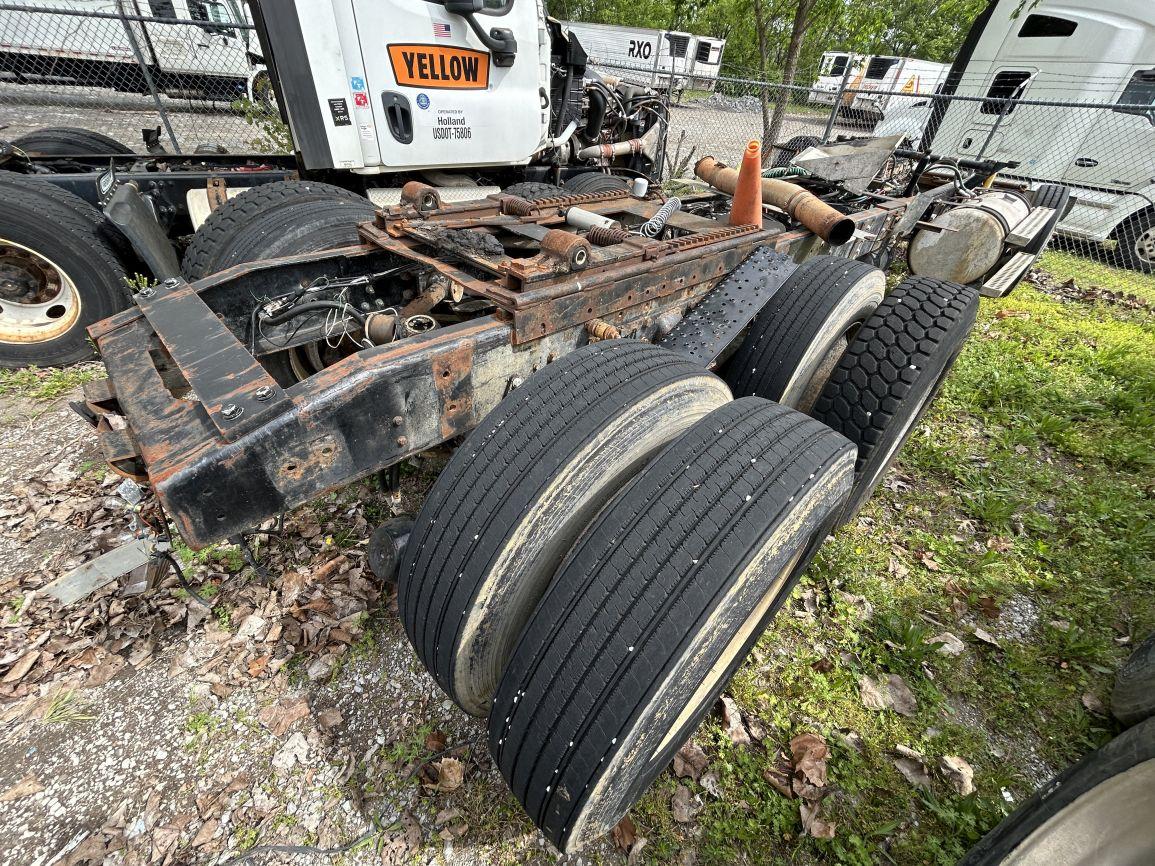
[603, 550]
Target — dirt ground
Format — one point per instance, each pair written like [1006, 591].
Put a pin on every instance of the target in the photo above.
[150, 729]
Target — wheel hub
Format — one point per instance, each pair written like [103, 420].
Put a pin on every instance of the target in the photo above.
[38, 301]
[1145, 246]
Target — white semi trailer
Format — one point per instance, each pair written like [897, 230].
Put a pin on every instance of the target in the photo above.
[670, 58]
[875, 84]
[197, 49]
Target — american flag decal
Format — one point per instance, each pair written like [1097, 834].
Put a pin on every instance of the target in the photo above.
[441, 31]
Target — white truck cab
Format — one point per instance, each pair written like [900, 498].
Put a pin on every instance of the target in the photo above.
[372, 87]
[1090, 51]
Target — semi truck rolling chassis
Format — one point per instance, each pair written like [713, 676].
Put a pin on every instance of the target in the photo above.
[662, 406]
[664, 415]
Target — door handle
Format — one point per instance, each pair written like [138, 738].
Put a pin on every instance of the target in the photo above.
[1086, 162]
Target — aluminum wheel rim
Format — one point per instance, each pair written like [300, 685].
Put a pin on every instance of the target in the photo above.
[1110, 823]
[1145, 246]
[38, 300]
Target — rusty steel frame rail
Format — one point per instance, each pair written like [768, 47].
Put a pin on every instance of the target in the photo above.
[164, 413]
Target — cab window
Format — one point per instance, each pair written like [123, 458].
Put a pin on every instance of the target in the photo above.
[1140, 90]
[1047, 27]
[1008, 85]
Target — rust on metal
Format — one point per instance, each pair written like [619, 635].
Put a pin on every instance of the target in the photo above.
[571, 249]
[217, 192]
[826, 222]
[453, 378]
[420, 195]
[599, 329]
[603, 236]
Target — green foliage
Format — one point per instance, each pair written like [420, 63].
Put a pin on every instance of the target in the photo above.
[929, 29]
[45, 383]
[1027, 512]
[273, 135]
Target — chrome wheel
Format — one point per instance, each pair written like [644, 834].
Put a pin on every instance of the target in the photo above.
[38, 300]
[1145, 247]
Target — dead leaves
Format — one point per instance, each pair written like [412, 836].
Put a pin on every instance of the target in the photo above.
[948, 644]
[732, 719]
[690, 761]
[279, 716]
[685, 806]
[446, 775]
[912, 766]
[888, 692]
[802, 774]
[959, 773]
[626, 838]
[809, 752]
[26, 787]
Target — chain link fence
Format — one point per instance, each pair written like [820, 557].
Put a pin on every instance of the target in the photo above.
[1095, 135]
[193, 68]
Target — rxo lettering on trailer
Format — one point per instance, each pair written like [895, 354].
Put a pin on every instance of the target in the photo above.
[641, 48]
[440, 67]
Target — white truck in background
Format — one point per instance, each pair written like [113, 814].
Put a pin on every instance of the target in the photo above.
[1098, 52]
[670, 58]
[901, 80]
[193, 49]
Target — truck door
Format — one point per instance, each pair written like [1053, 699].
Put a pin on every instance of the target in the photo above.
[1118, 150]
[439, 95]
[997, 124]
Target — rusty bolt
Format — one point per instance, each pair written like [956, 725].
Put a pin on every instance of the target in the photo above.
[263, 393]
[600, 329]
[402, 441]
[397, 420]
[230, 411]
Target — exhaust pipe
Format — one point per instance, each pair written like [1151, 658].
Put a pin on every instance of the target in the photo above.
[830, 225]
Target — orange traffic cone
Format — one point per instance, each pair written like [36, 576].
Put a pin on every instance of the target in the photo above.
[746, 205]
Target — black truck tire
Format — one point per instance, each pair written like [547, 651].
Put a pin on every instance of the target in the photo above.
[1133, 698]
[534, 191]
[69, 141]
[275, 219]
[59, 273]
[595, 181]
[892, 371]
[655, 608]
[109, 233]
[514, 497]
[1096, 812]
[796, 340]
[785, 153]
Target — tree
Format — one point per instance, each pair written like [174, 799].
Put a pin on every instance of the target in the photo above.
[801, 21]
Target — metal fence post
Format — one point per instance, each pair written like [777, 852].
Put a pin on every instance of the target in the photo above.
[140, 61]
[837, 100]
[1008, 106]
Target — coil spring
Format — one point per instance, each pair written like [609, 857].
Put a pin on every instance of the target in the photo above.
[604, 237]
[652, 227]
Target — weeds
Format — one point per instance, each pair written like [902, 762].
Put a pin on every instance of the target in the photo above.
[65, 707]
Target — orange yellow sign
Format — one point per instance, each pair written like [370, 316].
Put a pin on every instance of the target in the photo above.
[439, 67]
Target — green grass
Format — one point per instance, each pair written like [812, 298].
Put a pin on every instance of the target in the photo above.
[1030, 490]
[46, 384]
[1087, 272]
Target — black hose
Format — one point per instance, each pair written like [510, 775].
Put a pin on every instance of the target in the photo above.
[312, 306]
[595, 116]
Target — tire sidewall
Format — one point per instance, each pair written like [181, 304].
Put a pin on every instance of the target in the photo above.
[101, 291]
[860, 300]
